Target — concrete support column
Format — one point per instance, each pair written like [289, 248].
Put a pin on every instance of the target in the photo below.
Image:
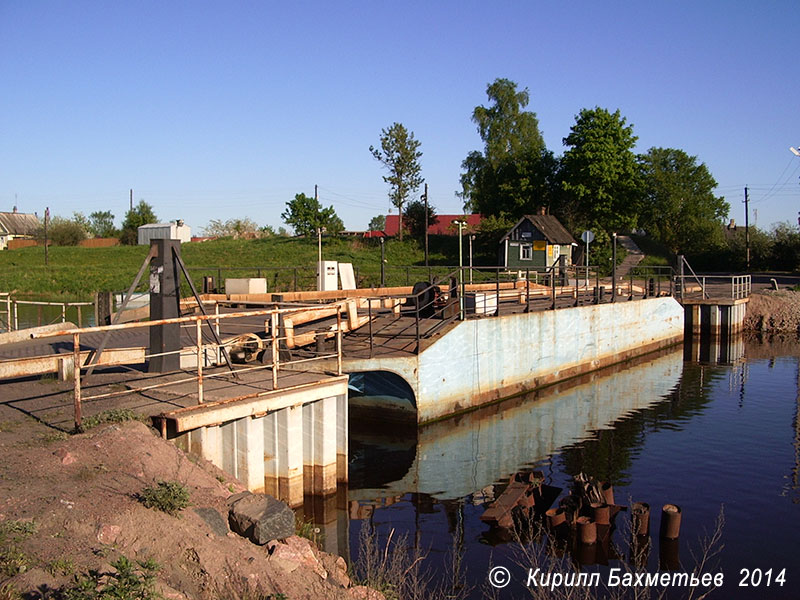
[270, 424]
[320, 446]
[290, 455]
[250, 453]
[211, 444]
[342, 435]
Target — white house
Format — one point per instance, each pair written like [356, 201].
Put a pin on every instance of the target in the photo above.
[175, 230]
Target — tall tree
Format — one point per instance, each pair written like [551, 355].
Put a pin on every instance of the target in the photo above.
[599, 173]
[139, 215]
[514, 173]
[377, 223]
[679, 207]
[101, 224]
[306, 214]
[415, 218]
[399, 154]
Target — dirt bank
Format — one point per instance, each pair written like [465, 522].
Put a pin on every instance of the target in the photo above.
[68, 505]
[773, 311]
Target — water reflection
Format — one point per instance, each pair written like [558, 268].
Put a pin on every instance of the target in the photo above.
[467, 454]
[663, 431]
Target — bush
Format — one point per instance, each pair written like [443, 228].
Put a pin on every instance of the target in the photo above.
[115, 415]
[170, 497]
[128, 583]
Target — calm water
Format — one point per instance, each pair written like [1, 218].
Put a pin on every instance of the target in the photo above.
[663, 431]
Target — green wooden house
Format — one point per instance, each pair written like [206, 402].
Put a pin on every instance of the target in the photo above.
[536, 241]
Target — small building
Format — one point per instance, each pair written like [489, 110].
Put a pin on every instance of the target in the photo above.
[175, 230]
[536, 241]
[16, 225]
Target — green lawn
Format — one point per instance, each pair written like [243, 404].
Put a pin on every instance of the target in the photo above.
[75, 273]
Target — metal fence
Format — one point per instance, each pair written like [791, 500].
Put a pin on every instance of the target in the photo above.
[265, 341]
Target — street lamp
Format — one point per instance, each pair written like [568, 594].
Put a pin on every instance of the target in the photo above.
[471, 239]
[461, 224]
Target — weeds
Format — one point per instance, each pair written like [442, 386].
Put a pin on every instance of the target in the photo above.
[129, 582]
[12, 559]
[170, 497]
[9, 592]
[395, 569]
[114, 415]
[61, 566]
[308, 530]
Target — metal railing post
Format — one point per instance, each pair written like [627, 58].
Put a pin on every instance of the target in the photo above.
[369, 316]
[16, 316]
[76, 376]
[199, 334]
[527, 290]
[217, 356]
[496, 291]
[553, 279]
[273, 326]
[339, 340]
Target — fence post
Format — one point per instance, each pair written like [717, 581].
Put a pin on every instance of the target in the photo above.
[339, 340]
[273, 327]
[527, 291]
[76, 377]
[199, 335]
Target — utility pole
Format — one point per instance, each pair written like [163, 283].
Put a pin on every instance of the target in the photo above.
[46, 219]
[746, 229]
[131, 198]
[425, 198]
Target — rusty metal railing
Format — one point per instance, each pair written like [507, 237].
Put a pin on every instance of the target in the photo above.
[201, 349]
[12, 310]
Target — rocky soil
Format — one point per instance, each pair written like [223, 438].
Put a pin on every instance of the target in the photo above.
[70, 504]
[773, 311]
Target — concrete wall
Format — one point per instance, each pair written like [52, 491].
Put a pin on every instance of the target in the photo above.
[458, 457]
[485, 360]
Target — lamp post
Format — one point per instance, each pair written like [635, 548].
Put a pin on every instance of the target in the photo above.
[383, 264]
[614, 269]
[461, 224]
[471, 239]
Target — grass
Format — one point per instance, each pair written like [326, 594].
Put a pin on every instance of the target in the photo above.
[114, 415]
[74, 273]
[170, 497]
[12, 559]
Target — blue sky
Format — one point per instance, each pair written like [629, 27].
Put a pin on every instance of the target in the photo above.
[216, 110]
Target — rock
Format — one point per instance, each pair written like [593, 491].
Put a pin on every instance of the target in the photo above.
[337, 569]
[108, 534]
[214, 520]
[296, 551]
[66, 457]
[261, 518]
[231, 500]
[362, 592]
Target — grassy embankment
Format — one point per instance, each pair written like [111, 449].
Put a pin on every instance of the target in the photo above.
[75, 273]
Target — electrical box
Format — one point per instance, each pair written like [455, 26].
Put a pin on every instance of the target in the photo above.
[247, 285]
[480, 303]
[327, 275]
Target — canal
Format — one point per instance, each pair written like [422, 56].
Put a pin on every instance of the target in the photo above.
[710, 437]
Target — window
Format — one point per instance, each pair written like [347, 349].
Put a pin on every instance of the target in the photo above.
[525, 252]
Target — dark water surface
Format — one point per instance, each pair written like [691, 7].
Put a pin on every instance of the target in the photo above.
[702, 436]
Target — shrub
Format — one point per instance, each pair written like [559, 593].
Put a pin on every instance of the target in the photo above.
[170, 497]
[127, 583]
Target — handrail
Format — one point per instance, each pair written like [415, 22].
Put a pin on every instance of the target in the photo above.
[204, 351]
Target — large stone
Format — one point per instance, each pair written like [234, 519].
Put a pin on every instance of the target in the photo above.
[213, 519]
[261, 518]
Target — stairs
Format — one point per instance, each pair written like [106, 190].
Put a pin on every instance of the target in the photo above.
[634, 257]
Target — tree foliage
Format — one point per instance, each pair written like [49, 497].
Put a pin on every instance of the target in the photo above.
[234, 228]
[515, 172]
[61, 232]
[377, 223]
[679, 207]
[599, 173]
[101, 224]
[306, 214]
[399, 153]
[139, 215]
[415, 218]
